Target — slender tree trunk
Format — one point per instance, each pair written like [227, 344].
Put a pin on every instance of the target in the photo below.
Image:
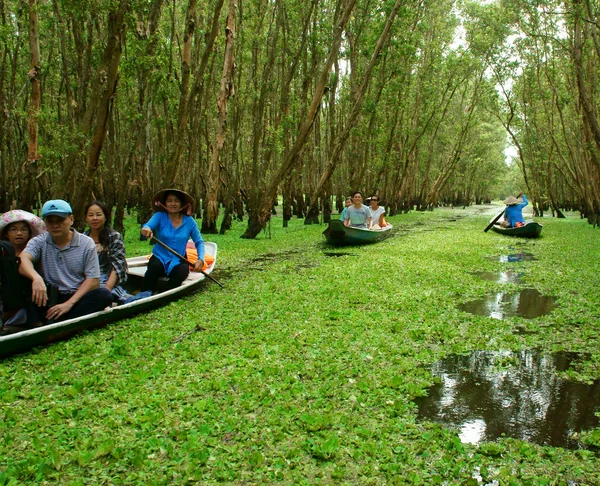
[30, 167]
[211, 204]
[142, 155]
[590, 117]
[112, 56]
[188, 95]
[184, 87]
[353, 118]
[260, 216]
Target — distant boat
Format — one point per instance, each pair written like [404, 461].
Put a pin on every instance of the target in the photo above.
[338, 234]
[531, 229]
[25, 339]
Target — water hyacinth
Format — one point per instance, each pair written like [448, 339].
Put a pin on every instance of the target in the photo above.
[305, 367]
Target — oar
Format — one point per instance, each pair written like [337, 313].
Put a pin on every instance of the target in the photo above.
[494, 221]
[183, 259]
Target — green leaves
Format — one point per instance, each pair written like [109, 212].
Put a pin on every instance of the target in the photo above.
[302, 376]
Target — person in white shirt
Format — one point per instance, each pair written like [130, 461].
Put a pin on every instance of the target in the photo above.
[377, 213]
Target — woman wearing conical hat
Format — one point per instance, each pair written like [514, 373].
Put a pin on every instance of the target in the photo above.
[513, 215]
[172, 224]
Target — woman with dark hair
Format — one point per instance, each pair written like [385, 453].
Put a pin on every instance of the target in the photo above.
[110, 248]
[173, 224]
[377, 213]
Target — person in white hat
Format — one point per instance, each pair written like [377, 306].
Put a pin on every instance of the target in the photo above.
[513, 215]
[68, 262]
[18, 227]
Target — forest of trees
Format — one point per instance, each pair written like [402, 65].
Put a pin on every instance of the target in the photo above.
[244, 102]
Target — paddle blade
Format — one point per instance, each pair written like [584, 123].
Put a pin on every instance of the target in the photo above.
[494, 221]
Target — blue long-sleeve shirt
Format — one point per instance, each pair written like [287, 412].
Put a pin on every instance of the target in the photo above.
[514, 213]
[175, 238]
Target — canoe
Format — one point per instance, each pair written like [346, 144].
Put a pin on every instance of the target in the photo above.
[338, 234]
[531, 229]
[26, 339]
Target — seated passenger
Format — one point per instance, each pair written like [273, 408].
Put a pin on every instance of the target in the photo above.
[344, 212]
[174, 226]
[110, 248]
[68, 263]
[19, 227]
[513, 215]
[377, 213]
[358, 215]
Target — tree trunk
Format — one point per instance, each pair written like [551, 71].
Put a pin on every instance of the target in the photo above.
[211, 204]
[590, 117]
[142, 154]
[353, 119]
[30, 167]
[109, 66]
[187, 95]
[182, 117]
[260, 216]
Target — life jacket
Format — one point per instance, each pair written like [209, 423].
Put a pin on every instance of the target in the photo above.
[12, 295]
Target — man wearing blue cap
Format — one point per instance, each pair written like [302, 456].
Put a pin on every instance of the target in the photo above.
[68, 261]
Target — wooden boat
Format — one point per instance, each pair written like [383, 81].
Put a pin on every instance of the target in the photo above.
[338, 234]
[532, 229]
[29, 338]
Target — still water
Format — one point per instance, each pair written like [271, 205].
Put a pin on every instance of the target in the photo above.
[509, 276]
[527, 303]
[486, 395]
[513, 257]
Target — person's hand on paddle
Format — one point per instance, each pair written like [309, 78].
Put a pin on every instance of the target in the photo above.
[198, 265]
[147, 232]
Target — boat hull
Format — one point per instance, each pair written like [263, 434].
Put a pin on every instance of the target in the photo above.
[531, 229]
[27, 339]
[340, 235]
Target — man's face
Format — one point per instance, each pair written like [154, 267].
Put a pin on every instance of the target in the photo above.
[357, 198]
[58, 227]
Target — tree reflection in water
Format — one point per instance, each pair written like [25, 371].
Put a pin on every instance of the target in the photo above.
[486, 395]
[528, 303]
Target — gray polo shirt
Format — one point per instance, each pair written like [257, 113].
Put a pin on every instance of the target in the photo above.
[65, 268]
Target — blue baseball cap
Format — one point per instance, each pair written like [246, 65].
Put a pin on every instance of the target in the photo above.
[56, 207]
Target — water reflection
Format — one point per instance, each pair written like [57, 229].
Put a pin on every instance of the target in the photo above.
[509, 276]
[489, 394]
[513, 257]
[527, 303]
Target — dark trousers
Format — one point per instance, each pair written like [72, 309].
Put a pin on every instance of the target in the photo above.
[156, 270]
[94, 301]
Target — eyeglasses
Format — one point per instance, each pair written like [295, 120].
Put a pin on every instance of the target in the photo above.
[374, 200]
[18, 230]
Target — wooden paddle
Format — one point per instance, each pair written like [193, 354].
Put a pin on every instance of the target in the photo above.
[183, 259]
[494, 221]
